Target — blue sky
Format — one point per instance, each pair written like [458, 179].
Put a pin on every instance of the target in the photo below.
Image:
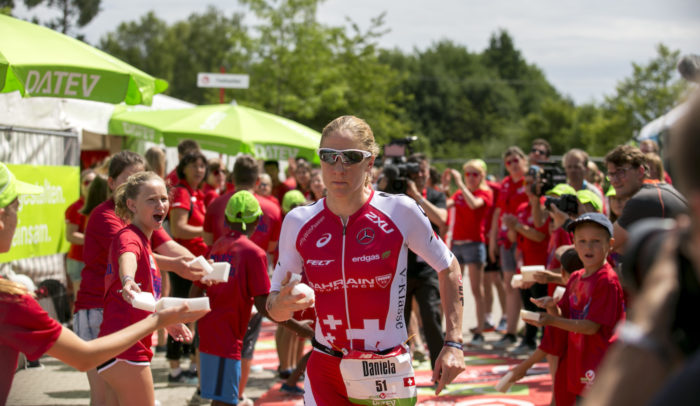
[583, 47]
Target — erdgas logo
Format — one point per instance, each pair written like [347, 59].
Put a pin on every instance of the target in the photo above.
[366, 258]
[321, 242]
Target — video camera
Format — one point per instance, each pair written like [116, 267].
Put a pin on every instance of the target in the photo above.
[396, 170]
[546, 175]
[566, 203]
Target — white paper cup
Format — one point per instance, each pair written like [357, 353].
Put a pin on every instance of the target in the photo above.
[144, 301]
[201, 263]
[528, 272]
[305, 289]
[219, 273]
[505, 383]
[558, 293]
[529, 315]
[197, 303]
[517, 281]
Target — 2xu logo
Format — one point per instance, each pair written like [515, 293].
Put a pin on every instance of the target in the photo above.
[383, 225]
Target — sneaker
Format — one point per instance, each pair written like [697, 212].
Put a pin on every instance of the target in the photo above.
[292, 390]
[477, 341]
[506, 341]
[244, 401]
[190, 373]
[488, 327]
[419, 355]
[524, 348]
[502, 326]
[182, 379]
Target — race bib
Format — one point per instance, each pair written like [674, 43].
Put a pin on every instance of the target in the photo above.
[373, 379]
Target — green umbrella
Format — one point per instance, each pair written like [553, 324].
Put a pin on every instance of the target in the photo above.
[40, 62]
[224, 128]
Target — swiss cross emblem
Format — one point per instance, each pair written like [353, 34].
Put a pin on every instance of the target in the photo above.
[410, 381]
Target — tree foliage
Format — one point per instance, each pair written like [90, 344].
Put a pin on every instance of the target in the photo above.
[71, 13]
[461, 104]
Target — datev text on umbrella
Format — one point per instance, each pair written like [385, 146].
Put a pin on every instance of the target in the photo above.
[37, 61]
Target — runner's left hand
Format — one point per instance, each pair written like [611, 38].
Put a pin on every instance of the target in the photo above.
[449, 364]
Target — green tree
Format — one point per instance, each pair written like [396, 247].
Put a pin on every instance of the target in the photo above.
[529, 83]
[313, 73]
[72, 13]
[202, 43]
[651, 91]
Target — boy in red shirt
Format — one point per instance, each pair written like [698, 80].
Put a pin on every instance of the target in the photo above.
[591, 306]
[221, 332]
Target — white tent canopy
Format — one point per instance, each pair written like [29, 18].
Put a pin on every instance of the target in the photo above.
[653, 129]
[60, 114]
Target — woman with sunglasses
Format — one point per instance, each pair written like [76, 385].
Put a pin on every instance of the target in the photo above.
[467, 209]
[352, 246]
[215, 182]
[511, 196]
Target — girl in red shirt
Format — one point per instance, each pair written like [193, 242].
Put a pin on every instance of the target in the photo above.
[75, 234]
[143, 200]
[471, 204]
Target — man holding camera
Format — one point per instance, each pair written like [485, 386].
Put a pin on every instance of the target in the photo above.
[422, 281]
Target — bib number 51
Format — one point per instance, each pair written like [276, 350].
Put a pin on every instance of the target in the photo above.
[381, 386]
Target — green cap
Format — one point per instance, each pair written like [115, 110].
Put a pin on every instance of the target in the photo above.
[292, 199]
[243, 208]
[10, 187]
[611, 192]
[586, 196]
[562, 189]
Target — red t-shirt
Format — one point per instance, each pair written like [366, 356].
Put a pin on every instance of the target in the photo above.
[183, 197]
[597, 298]
[510, 197]
[171, 179]
[533, 252]
[102, 226]
[24, 327]
[268, 229]
[221, 331]
[280, 190]
[209, 192]
[495, 188]
[470, 224]
[119, 314]
[73, 216]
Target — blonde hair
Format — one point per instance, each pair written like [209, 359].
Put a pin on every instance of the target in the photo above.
[355, 126]
[12, 288]
[130, 190]
[480, 166]
[360, 130]
[155, 161]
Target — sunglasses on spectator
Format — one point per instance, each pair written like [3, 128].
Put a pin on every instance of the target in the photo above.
[218, 171]
[347, 156]
[472, 174]
[86, 182]
[512, 161]
[539, 151]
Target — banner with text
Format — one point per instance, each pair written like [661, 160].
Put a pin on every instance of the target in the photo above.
[41, 219]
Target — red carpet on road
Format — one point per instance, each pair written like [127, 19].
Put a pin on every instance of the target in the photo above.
[474, 387]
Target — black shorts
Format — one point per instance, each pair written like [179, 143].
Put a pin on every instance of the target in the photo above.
[490, 265]
[251, 336]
